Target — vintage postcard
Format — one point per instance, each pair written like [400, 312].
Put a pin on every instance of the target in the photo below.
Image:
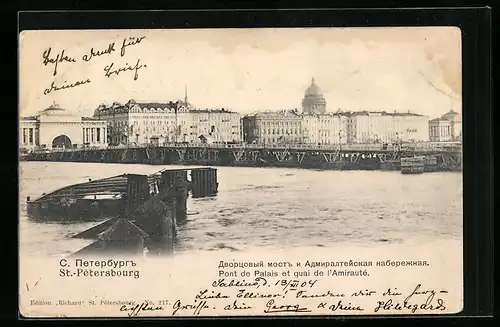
[240, 172]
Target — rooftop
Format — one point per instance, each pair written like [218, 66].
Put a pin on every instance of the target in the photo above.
[221, 110]
[91, 119]
[54, 107]
[337, 113]
[28, 118]
[382, 113]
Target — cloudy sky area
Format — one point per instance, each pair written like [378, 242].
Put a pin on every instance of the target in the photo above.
[402, 69]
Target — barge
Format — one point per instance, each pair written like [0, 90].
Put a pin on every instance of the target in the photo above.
[139, 211]
[117, 195]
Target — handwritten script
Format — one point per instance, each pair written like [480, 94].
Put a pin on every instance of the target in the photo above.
[263, 296]
[58, 59]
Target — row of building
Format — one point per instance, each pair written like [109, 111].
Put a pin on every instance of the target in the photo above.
[172, 122]
[348, 127]
[136, 123]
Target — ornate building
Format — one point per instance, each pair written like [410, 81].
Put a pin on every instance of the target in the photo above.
[56, 128]
[270, 127]
[313, 102]
[171, 122]
[446, 128]
[335, 128]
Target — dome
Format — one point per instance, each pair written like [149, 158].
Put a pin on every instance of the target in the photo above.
[313, 90]
[54, 107]
[314, 101]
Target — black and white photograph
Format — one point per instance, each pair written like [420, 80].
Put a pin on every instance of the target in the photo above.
[240, 172]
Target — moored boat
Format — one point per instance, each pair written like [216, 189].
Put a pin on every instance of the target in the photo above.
[110, 197]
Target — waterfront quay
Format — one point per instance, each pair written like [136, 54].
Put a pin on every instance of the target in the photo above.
[337, 157]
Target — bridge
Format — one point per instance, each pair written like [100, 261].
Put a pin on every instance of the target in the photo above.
[448, 156]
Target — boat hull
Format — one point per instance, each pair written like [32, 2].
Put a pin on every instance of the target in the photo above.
[78, 210]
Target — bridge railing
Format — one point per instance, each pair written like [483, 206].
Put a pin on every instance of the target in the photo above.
[422, 146]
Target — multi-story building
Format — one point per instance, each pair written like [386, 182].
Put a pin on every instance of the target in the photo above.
[324, 128]
[336, 128]
[446, 128]
[270, 127]
[56, 128]
[139, 123]
[383, 127]
[314, 102]
[219, 125]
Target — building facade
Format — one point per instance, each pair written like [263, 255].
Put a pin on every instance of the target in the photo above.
[273, 127]
[383, 127]
[172, 122]
[215, 125]
[313, 102]
[56, 128]
[324, 128]
[446, 128]
[336, 128]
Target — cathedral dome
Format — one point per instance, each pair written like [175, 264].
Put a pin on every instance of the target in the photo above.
[313, 90]
[313, 101]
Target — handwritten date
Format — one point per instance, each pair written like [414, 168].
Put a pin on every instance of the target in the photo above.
[293, 284]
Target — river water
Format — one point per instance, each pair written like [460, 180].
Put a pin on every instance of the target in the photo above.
[272, 208]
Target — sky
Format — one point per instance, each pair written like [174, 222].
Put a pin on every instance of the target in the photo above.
[416, 69]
